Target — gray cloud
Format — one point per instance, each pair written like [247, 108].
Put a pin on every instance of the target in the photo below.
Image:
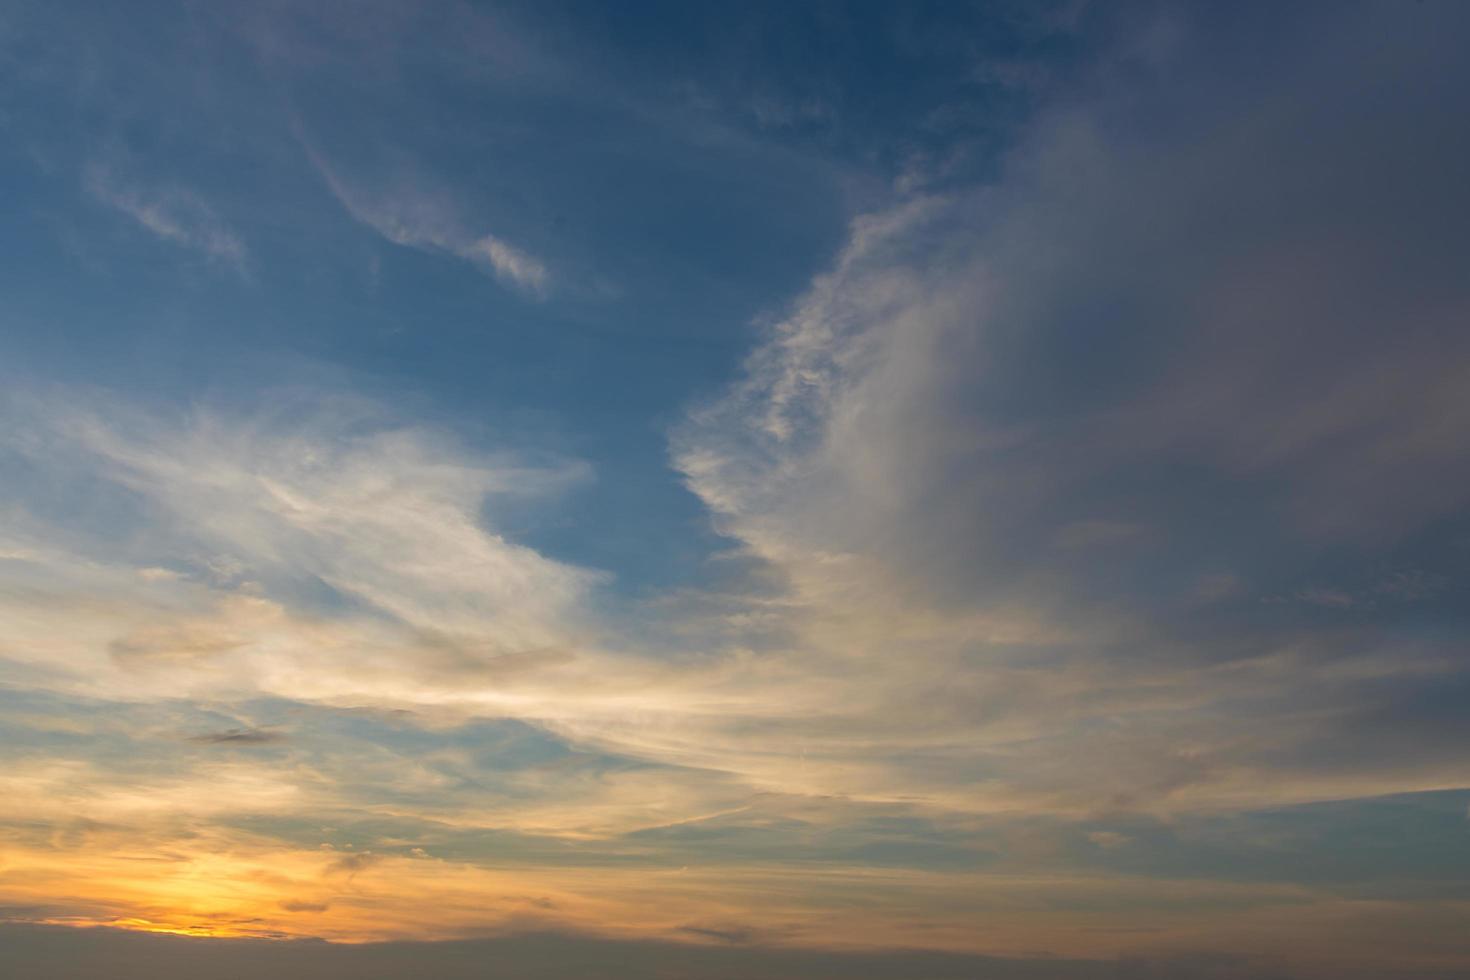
[1196, 349]
[353, 864]
[302, 906]
[239, 736]
[53, 954]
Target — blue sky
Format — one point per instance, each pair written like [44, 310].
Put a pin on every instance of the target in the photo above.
[758, 488]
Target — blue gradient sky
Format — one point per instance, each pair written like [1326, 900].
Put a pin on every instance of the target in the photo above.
[893, 490]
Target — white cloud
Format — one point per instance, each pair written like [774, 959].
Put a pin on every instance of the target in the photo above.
[413, 214]
[175, 214]
[314, 550]
[507, 262]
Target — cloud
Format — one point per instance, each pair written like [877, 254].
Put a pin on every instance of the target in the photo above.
[364, 573]
[319, 552]
[300, 906]
[1004, 451]
[1015, 480]
[239, 736]
[412, 212]
[172, 213]
[352, 864]
[47, 953]
[507, 262]
[1326, 597]
[991, 564]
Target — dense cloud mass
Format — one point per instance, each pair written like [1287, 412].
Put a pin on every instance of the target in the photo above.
[1162, 428]
[36, 950]
[1087, 593]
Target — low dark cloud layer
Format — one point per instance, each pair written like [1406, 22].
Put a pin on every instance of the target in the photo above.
[65, 954]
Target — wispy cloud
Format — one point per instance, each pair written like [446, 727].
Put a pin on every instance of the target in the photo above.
[172, 213]
[507, 262]
[415, 214]
[239, 736]
[386, 520]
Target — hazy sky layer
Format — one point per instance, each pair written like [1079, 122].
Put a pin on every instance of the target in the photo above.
[835, 489]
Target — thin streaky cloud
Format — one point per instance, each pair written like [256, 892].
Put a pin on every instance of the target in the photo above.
[174, 214]
[413, 215]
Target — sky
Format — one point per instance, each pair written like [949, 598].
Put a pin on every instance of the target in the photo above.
[702, 491]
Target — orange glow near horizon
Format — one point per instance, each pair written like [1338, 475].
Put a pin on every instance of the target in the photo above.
[242, 888]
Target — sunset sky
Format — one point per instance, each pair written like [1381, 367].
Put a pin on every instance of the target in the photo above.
[762, 490]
